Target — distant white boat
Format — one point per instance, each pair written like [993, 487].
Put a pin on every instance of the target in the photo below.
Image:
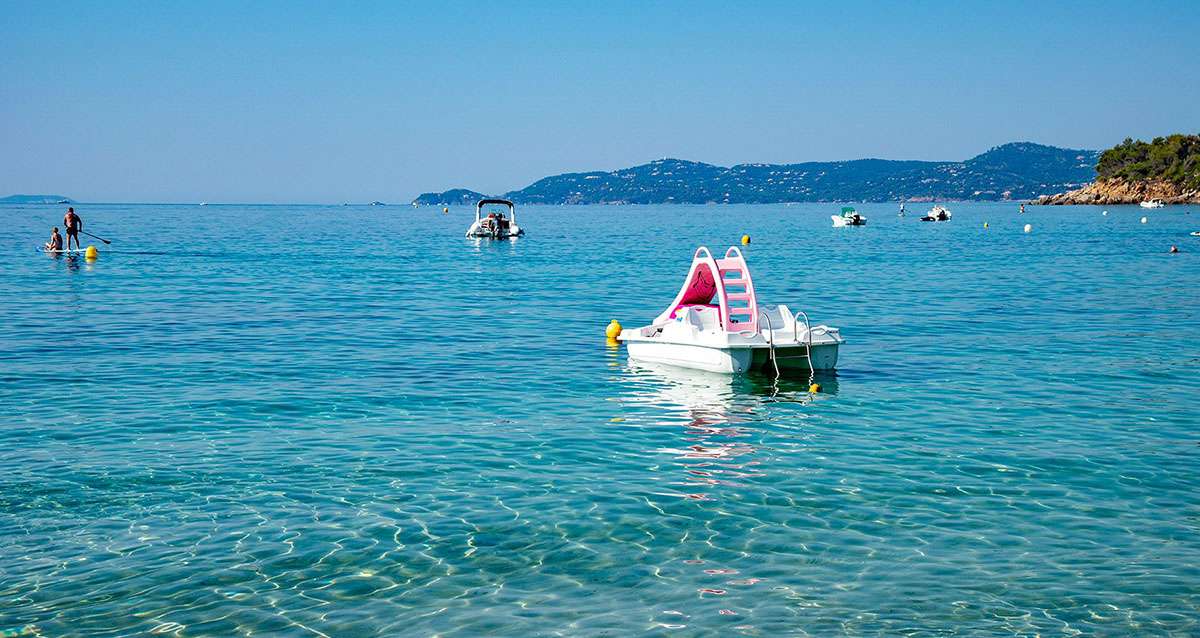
[1154, 203]
[849, 217]
[495, 225]
[204, 203]
[937, 214]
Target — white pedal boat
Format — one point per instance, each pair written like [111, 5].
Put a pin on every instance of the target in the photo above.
[495, 225]
[716, 324]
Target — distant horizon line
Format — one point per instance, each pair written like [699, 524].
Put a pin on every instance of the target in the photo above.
[646, 163]
[605, 204]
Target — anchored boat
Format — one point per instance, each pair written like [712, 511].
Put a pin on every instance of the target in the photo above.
[1154, 203]
[495, 225]
[849, 217]
[937, 214]
[716, 324]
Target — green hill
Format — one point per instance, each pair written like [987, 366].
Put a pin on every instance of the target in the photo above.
[1174, 158]
[36, 199]
[454, 196]
[1020, 170]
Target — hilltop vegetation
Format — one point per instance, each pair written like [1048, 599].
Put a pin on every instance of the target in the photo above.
[1019, 170]
[1175, 158]
[1166, 168]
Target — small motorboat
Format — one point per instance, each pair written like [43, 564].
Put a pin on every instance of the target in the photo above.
[495, 225]
[937, 214]
[1154, 203]
[716, 324]
[849, 217]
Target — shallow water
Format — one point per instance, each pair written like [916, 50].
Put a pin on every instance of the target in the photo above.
[351, 421]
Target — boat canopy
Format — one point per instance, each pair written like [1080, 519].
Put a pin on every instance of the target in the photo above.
[723, 281]
[512, 210]
[848, 209]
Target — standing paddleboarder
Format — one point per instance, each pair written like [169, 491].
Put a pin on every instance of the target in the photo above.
[73, 224]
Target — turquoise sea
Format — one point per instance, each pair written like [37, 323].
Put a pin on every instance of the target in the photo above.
[351, 421]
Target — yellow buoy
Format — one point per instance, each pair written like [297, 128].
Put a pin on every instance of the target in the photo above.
[90, 253]
[445, 209]
[745, 240]
[814, 388]
[985, 224]
[613, 329]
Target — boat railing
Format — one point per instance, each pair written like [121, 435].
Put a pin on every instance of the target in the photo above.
[808, 330]
[796, 325]
[770, 338]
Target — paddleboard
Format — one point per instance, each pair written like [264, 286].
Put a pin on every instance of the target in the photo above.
[63, 251]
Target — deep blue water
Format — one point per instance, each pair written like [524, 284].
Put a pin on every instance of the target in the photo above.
[352, 421]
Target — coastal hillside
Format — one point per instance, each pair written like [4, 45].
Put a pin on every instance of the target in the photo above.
[1019, 170]
[454, 196]
[1166, 168]
[36, 199]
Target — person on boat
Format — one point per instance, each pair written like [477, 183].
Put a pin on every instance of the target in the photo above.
[73, 224]
[55, 242]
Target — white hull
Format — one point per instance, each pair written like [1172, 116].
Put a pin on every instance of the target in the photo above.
[477, 230]
[729, 361]
[841, 222]
[734, 360]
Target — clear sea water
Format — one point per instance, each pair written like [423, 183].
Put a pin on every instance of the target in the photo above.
[352, 421]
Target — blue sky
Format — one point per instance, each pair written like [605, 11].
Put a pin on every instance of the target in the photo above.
[332, 102]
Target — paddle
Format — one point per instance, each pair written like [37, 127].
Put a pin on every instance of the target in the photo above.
[91, 235]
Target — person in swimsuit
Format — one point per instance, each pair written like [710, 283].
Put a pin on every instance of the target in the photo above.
[55, 242]
[74, 224]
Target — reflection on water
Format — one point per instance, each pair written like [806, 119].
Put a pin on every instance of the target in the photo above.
[718, 416]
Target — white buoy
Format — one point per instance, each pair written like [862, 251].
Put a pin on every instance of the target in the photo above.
[1029, 228]
[1105, 213]
[1143, 220]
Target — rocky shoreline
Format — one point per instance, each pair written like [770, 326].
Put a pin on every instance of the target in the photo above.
[1118, 191]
